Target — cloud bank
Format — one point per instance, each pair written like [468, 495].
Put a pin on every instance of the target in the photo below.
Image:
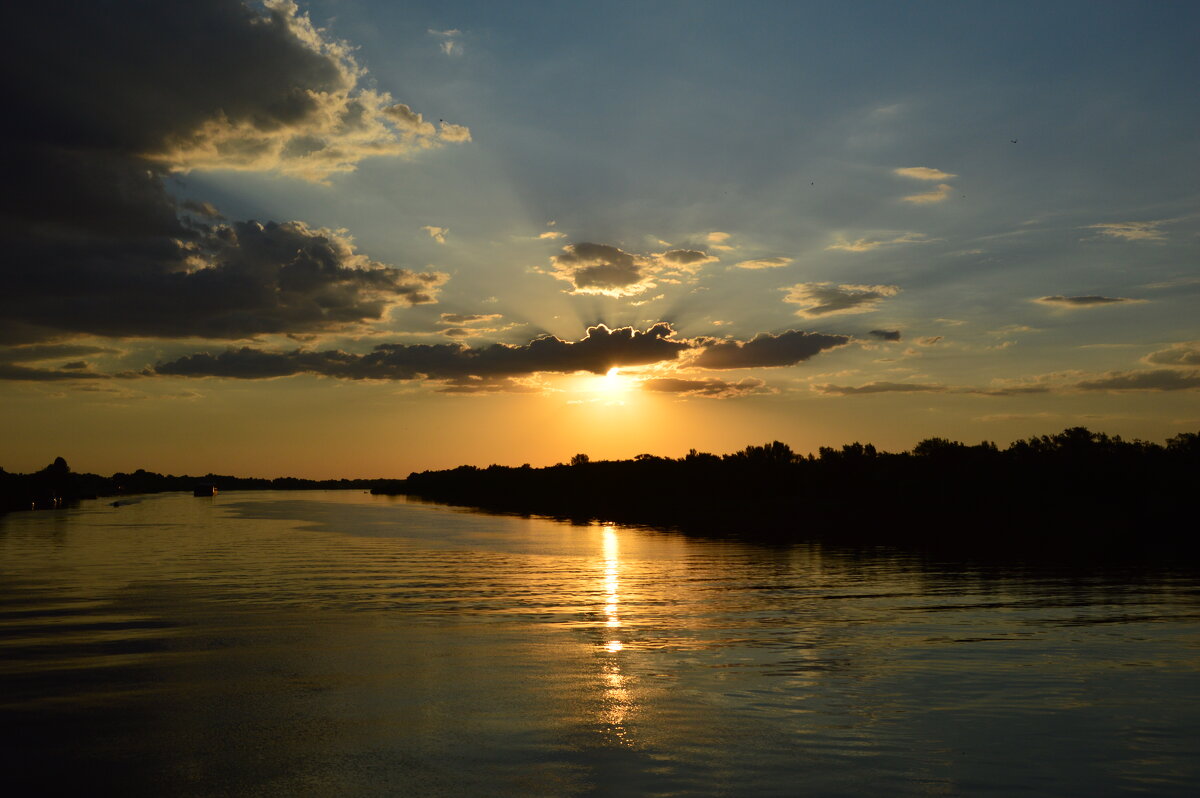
[94, 242]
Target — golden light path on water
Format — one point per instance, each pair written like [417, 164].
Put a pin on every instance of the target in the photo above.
[617, 703]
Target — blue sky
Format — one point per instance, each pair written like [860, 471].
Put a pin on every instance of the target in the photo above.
[989, 211]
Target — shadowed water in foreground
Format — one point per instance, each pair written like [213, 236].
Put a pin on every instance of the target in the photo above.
[344, 644]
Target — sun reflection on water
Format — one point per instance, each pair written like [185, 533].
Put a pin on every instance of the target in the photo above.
[616, 703]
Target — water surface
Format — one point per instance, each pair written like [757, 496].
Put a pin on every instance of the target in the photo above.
[335, 643]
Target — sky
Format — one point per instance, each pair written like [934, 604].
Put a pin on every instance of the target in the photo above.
[358, 239]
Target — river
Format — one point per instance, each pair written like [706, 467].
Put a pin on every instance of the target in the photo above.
[337, 643]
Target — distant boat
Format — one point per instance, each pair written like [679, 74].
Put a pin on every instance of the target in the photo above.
[205, 489]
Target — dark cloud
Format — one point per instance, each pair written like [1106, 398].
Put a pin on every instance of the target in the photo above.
[1083, 301]
[125, 93]
[882, 387]
[604, 269]
[472, 318]
[886, 335]
[1155, 380]
[1181, 354]
[599, 269]
[711, 388]
[765, 349]
[598, 351]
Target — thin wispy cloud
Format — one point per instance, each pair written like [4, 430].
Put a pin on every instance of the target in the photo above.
[764, 263]
[868, 244]
[828, 299]
[1088, 301]
[1132, 231]
[939, 194]
[923, 173]
[448, 41]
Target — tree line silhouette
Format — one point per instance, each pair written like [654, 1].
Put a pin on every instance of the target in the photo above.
[1071, 488]
[57, 485]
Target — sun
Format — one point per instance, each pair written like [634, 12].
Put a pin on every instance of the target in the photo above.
[613, 385]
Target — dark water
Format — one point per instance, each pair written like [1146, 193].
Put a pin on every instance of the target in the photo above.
[343, 644]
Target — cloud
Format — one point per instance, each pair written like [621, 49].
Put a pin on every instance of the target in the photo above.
[459, 325]
[826, 299]
[688, 259]
[95, 242]
[600, 269]
[1132, 231]
[449, 44]
[438, 234]
[604, 269]
[885, 335]
[718, 240]
[598, 351]
[231, 281]
[939, 194]
[713, 388]
[304, 116]
[1091, 301]
[882, 387]
[765, 350]
[923, 173]
[469, 318]
[764, 263]
[12, 358]
[930, 340]
[866, 245]
[1155, 380]
[1186, 353]
[552, 234]
[448, 131]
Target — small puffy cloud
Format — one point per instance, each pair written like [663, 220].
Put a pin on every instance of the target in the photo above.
[882, 387]
[600, 269]
[942, 192]
[1132, 231]
[866, 244]
[1091, 301]
[922, 173]
[1186, 353]
[438, 234]
[930, 340]
[827, 299]
[1153, 380]
[550, 235]
[885, 335]
[766, 350]
[713, 388]
[764, 263]
[604, 269]
[686, 259]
